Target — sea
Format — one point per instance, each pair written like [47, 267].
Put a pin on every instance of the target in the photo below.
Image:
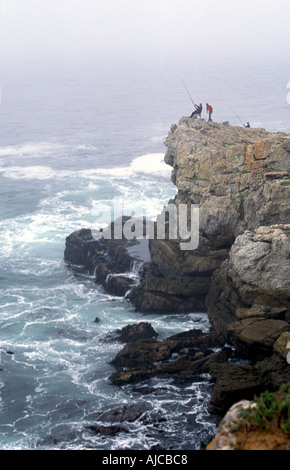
[76, 138]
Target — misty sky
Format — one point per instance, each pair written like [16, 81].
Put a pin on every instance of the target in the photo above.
[144, 30]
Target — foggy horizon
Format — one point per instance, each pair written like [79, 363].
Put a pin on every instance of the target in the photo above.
[138, 31]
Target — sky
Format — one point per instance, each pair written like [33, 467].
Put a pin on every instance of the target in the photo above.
[144, 30]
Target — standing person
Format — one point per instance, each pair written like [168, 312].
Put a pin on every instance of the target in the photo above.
[209, 110]
[198, 110]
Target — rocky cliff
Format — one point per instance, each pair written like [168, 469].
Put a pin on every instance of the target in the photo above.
[239, 178]
[240, 271]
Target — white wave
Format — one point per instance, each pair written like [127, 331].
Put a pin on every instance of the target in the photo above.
[146, 165]
[31, 149]
[151, 164]
[32, 173]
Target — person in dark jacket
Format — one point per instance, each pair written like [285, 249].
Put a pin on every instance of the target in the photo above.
[198, 111]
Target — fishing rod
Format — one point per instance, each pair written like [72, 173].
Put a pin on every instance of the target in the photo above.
[187, 92]
[235, 113]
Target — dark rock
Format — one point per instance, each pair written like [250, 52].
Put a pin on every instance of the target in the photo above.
[254, 337]
[81, 247]
[160, 293]
[114, 282]
[112, 261]
[199, 339]
[184, 354]
[108, 430]
[144, 390]
[121, 414]
[184, 366]
[132, 333]
[235, 383]
[238, 382]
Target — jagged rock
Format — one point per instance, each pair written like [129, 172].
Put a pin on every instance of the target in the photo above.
[115, 262]
[133, 333]
[187, 353]
[234, 382]
[231, 435]
[254, 338]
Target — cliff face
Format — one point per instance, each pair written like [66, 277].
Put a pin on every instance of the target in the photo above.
[239, 178]
[240, 272]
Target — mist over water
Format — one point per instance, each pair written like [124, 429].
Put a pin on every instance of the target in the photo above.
[71, 140]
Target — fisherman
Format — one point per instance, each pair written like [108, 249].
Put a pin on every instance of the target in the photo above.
[209, 110]
[247, 125]
[198, 111]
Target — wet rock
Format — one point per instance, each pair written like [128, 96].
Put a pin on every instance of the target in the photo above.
[114, 282]
[108, 430]
[121, 414]
[184, 354]
[111, 260]
[59, 434]
[198, 339]
[145, 390]
[132, 333]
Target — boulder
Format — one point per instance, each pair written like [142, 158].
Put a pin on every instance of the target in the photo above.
[132, 333]
[255, 280]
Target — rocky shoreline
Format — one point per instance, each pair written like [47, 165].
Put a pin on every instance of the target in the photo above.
[239, 273]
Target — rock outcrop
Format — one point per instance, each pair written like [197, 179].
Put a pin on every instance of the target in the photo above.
[239, 178]
[240, 271]
[184, 354]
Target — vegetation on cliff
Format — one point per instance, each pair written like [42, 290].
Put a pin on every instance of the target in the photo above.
[262, 424]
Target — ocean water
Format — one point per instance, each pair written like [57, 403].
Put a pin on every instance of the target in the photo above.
[73, 140]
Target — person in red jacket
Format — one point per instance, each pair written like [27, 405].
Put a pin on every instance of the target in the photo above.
[209, 110]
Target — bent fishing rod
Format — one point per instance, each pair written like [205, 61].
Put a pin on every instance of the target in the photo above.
[235, 114]
[187, 92]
